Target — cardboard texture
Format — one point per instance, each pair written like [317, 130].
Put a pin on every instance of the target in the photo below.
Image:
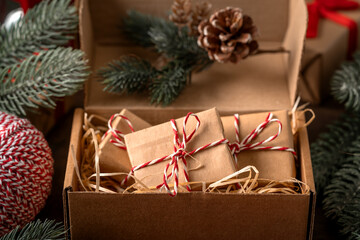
[195, 215]
[323, 56]
[158, 141]
[112, 158]
[272, 165]
[261, 83]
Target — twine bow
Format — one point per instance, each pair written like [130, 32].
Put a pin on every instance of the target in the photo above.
[178, 156]
[118, 136]
[327, 9]
[246, 143]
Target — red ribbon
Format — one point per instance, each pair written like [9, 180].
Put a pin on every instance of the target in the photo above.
[26, 4]
[327, 9]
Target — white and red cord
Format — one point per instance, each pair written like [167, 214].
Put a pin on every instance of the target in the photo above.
[246, 143]
[26, 168]
[118, 136]
[179, 154]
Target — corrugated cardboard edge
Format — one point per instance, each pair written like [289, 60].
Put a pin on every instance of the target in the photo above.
[76, 134]
[307, 173]
[295, 40]
[86, 32]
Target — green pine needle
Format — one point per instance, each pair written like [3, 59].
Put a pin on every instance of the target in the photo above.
[167, 87]
[47, 230]
[171, 40]
[329, 151]
[345, 84]
[355, 236]
[177, 44]
[46, 26]
[336, 155]
[342, 195]
[128, 75]
[166, 38]
[32, 83]
[137, 27]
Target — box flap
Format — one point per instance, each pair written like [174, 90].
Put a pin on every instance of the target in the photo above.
[294, 41]
[75, 140]
[259, 83]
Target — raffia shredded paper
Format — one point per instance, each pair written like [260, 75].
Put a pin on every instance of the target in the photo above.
[243, 181]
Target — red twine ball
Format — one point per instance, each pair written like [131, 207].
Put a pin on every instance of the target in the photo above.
[26, 169]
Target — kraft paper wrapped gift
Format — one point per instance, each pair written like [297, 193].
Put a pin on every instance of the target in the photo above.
[272, 164]
[158, 141]
[324, 54]
[112, 158]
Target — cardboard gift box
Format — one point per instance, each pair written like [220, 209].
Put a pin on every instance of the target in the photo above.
[265, 82]
[113, 158]
[323, 56]
[215, 162]
[272, 164]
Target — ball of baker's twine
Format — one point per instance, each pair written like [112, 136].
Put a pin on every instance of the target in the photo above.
[26, 169]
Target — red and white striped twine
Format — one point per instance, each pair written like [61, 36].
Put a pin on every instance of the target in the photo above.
[26, 169]
[179, 154]
[118, 136]
[246, 144]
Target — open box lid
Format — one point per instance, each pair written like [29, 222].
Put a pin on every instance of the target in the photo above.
[258, 83]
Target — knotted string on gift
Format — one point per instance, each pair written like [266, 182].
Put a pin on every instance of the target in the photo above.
[327, 9]
[295, 115]
[179, 155]
[246, 143]
[118, 136]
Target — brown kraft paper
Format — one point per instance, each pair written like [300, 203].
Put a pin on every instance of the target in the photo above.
[112, 158]
[208, 165]
[323, 55]
[272, 164]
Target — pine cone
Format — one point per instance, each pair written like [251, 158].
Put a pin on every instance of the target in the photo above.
[228, 35]
[202, 11]
[181, 12]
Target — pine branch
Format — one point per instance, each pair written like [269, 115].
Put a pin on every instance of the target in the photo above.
[167, 39]
[176, 43]
[46, 26]
[184, 56]
[128, 75]
[137, 26]
[342, 195]
[355, 236]
[38, 230]
[32, 83]
[329, 151]
[345, 84]
[171, 81]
